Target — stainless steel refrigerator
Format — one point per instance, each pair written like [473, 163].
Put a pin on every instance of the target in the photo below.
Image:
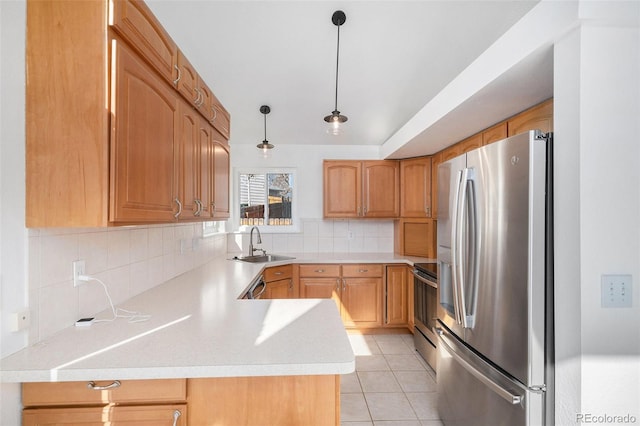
[495, 312]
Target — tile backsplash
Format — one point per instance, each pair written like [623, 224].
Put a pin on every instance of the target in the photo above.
[129, 260]
[324, 236]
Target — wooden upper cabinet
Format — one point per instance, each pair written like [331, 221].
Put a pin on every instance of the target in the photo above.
[361, 188]
[188, 160]
[143, 165]
[436, 159]
[220, 185]
[103, 124]
[67, 124]
[494, 133]
[381, 188]
[415, 187]
[135, 22]
[539, 117]
[342, 194]
[198, 94]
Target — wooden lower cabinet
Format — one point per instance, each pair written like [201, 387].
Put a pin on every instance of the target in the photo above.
[356, 289]
[397, 292]
[127, 402]
[280, 283]
[259, 401]
[273, 400]
[160, 415]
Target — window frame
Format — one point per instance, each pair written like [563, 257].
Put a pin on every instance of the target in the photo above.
[295, 220]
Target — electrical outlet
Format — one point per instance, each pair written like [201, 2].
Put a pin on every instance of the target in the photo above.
[616, 291]
[78, 269]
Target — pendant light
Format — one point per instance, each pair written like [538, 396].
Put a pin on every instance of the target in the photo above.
[265, 146]
[335, 119]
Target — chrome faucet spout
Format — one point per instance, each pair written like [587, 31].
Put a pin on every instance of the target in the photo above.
[259, 241]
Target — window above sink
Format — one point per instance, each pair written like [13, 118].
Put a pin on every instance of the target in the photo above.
[266, 198]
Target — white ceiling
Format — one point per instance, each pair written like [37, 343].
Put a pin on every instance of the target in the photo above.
[395, 56]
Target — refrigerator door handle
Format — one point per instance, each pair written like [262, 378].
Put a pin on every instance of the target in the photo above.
[473, 260]
[461, 261]
[455, 260]
[500, 390]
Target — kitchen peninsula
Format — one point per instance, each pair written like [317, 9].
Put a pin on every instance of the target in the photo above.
[202, 332]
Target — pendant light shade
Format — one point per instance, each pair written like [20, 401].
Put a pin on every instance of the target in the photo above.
[335, 118]
[265, 146]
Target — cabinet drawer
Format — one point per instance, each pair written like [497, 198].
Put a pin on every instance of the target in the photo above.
[320, 270]
[157, 415]
[134, 21]
[362, 270]
[80, 393]
[278, 273]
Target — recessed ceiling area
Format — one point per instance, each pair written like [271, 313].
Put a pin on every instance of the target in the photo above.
[395, 57]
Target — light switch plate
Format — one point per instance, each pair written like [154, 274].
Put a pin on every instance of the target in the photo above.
[616, 291]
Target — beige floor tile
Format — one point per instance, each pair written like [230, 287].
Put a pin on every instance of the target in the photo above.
[353, 408]
[397, 423]
[363, 344]
[393, 344]
[378, 381]
[424, 404]
[349, 383]
[416, 381]
[431, 423]
[356, 424]
[371, 363]
[389, 406]
[407, 362]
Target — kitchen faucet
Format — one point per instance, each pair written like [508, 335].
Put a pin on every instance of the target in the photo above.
[251, 249]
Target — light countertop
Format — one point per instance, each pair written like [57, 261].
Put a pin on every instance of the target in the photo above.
[200, 328]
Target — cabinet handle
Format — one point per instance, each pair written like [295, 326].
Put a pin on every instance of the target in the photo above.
[92, 385]
[362, 271]
[179, 207]
[212, 213]
[320, 271]
[337, 284]
[175, 82]
[344, 284]
[176, 415]
[290, 284]
[277, 273]
[215, 114]
[199, 210]
[197, 100]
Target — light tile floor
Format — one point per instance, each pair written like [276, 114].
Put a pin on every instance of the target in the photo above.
[392, 385]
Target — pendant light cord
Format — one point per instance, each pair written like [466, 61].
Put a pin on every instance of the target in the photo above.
[265, 128]
[337, 64]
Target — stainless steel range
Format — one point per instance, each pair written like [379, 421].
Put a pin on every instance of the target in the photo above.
[425, 302]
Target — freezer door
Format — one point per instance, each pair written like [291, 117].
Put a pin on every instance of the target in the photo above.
[473, 393]
[508, 305]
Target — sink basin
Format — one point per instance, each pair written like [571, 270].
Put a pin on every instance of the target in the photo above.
[263, 258]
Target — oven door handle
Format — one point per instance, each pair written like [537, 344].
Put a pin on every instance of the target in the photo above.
[424, 280]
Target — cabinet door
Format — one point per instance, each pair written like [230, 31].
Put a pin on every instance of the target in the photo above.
[187, 79]
[540, 117]
[188, 165]
[494, 133]
[204, 172]
[436, 159]
[143, 164]
[134, 21]
[471, 143]
[415, 187]
[362, 302]
[381, 185]
[280, 289]
[321, 288]
[160, 415]
[397, 295]
[342, 193]
[221, 170]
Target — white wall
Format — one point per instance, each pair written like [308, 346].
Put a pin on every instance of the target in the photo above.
[13, 241]
[597, 110]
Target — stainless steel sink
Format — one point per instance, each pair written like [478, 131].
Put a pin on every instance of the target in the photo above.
[263, 258]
